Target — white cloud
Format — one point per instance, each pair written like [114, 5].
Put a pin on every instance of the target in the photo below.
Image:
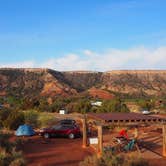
[133, 58]
[24, 64]
[68, 62]
[113, 59]
[88, 52]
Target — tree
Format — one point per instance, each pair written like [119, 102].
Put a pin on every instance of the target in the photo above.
[146, 104]
[43, 105]
[57, 105]
[14, 119]
[15, 102]
[83, 106]
[114, 105]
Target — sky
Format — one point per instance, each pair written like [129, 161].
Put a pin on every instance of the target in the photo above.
[97, 35]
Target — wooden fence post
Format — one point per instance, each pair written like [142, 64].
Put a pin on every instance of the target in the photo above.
[84, 132]
[164, 140]
[100, 141]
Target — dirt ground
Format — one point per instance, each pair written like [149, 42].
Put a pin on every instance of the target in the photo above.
[66, 152]
[150, 147]
[54, 152]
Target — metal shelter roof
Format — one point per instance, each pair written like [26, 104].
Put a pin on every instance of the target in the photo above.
[125, 117]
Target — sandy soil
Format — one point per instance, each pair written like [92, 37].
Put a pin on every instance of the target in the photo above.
[54, 152]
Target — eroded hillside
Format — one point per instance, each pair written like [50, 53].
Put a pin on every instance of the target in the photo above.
[32, 82]
[51, 83]
[137, 83]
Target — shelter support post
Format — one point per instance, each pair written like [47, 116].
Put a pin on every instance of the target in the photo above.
[100, 141]
[164, 140]
[84, 132]
[136, 132]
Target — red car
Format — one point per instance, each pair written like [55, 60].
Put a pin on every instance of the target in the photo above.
[70, 131]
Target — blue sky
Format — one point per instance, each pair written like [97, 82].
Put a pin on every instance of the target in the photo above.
[83, 34]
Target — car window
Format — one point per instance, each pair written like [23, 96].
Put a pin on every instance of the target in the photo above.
[57, 127]
[64, 128]
[67, 127]
[67, 121]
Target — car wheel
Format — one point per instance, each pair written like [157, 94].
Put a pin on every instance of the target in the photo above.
[46, 135]
[71, 136]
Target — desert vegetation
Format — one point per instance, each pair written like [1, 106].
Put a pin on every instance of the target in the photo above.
[47, 90]
[9, 156]
[81, 104]
[109, 159]
[11, 119]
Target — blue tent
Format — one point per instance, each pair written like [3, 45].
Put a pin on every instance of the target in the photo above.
[24, 130]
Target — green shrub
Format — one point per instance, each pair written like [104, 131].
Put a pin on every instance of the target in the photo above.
[14, 119]
[38, 119]
[45, 119]
[12, 158]
[31, 117]
[90, 161]
[17, 159]
[58, 104]
[146, 104]
[43, 105]
[4, 113]
[135, 160]
[8, 154]
[109, 159]
[4, 143]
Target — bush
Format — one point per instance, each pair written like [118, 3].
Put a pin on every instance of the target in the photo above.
[43, 105]
[14, 119]
[8, 154]
[58, 104]
[109, 159]
[14, 102]
[135, 160]
[4, 113]
[90, 161]
[31, 117]
[38, 119]
[4, 143]
[45, 119]
[146, 104]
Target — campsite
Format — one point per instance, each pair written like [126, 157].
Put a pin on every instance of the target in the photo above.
[36, 137]
[64, 151]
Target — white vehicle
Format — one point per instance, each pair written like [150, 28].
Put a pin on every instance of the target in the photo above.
[96, 103]
[62, 112]
[145, 112]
